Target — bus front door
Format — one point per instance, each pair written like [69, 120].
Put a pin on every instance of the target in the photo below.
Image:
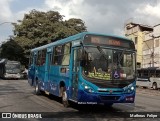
[31, 69]
[75, 70]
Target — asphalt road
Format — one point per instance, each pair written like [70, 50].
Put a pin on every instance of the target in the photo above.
[18, 96]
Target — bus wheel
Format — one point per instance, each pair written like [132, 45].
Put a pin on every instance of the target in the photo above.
[37, 89]
[155, 86]
[64, 97]
[108, 105]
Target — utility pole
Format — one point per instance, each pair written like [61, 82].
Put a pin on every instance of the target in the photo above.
[152, 53]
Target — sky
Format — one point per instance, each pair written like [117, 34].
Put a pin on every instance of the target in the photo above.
[102, 16]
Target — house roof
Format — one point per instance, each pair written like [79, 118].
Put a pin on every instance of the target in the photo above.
[142, 26]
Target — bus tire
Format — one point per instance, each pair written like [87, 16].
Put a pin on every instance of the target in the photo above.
[154, 86]
[37, 89]
[108, 105]
[64, 97]
[32, 82]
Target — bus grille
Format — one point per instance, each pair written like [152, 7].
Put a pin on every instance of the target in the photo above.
[118, 91]
[109, 98]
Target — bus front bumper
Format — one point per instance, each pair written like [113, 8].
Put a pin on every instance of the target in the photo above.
[98, 98]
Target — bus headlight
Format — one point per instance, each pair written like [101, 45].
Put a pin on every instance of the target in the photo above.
[87, 88]
[129, 89]
[132, 88]
[90, 90]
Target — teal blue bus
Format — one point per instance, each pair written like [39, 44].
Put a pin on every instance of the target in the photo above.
[86, 68]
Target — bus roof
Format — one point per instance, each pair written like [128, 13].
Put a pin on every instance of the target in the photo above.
[74, 37]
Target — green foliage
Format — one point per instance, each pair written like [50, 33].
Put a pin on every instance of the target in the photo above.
[12, 51]
[38, 28]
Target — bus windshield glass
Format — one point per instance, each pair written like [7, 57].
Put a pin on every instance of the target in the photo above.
[108, 64]
[12, 68]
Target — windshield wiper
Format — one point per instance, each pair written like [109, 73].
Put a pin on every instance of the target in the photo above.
[102, 52]
[120, 58]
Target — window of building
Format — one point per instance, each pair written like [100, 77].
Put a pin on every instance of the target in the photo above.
[157, 43]
[136, 40]
[138, 65]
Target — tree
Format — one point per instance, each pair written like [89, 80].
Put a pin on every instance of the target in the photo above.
[38, 28]
[12, 51]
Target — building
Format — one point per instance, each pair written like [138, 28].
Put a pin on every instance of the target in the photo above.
[136, 32]
[151, 48]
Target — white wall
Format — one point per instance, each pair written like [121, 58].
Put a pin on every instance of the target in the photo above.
[147, 52]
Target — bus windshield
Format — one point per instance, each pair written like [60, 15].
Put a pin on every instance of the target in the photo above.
[109, 64]
[12, 68]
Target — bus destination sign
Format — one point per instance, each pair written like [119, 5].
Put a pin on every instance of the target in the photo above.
[107, 41]
[97, 40]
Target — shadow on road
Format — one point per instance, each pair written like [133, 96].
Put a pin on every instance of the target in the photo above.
[83, 107]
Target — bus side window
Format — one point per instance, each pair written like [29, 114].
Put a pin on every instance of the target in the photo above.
[43, 57]
[31, 59]
[54, 60]
[66, 54]
[38, 61]
[54, 56]
[57, 56]
[157, 73]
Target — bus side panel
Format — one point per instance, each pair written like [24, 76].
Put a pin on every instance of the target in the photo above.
[55, 77]
[40, 73]
[31, 74]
